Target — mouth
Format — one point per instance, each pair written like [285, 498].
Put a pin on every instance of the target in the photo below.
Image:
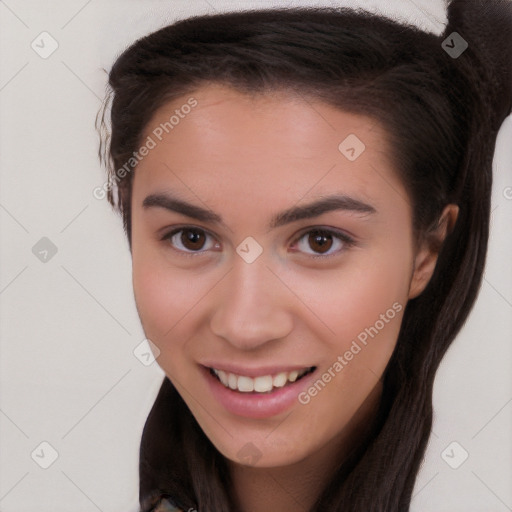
[265, 384]
[261, 395]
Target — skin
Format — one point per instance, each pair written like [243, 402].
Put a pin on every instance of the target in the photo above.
[247, 158]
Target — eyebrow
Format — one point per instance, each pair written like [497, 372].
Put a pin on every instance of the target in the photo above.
[293, 214]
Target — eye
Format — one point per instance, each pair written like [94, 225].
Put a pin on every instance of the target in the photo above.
[188, 240]
[322, 241]
[191, 241]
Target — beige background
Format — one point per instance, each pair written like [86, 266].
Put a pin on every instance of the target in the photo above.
[69, 327]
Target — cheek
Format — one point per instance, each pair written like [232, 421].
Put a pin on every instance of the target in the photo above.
[372, 299]
[364, 317]
[362, 304]
[368, 289]
[364, 309]
[162, 299]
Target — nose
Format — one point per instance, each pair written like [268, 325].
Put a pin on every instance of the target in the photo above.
[253, 306]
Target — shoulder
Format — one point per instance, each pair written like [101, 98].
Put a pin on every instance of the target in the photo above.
[164, 505]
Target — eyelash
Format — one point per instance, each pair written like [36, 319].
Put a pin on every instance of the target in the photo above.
[341, 236]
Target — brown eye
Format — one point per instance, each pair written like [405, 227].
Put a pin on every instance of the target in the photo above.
[321, 241]
[192, 239]
[189, 241]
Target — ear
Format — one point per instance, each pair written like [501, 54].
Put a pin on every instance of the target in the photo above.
[426, 256]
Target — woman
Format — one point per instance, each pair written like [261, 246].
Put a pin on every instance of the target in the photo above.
[306, 195]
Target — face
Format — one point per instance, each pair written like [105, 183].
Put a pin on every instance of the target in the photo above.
[252, 285]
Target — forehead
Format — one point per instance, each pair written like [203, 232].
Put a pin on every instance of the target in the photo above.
[277, 147]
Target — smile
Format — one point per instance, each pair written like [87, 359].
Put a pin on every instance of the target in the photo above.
[262, 384]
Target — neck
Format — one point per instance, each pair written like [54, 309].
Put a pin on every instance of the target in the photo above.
[298, 485]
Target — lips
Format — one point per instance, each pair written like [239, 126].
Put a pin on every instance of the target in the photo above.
[256, 404]
[260, 384]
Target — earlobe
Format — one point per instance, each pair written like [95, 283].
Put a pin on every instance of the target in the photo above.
[426, 257]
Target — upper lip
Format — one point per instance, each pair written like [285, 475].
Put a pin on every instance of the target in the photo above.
[258, 371]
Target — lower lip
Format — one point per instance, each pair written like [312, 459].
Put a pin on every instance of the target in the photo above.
[256, 405]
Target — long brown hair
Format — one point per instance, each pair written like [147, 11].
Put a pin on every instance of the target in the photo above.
[442, 112]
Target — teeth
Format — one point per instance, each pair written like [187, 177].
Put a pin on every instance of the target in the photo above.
[262, 384]
[293, 376]
[280, 380]
[232, 381]
[223, 376]
[245, 384]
